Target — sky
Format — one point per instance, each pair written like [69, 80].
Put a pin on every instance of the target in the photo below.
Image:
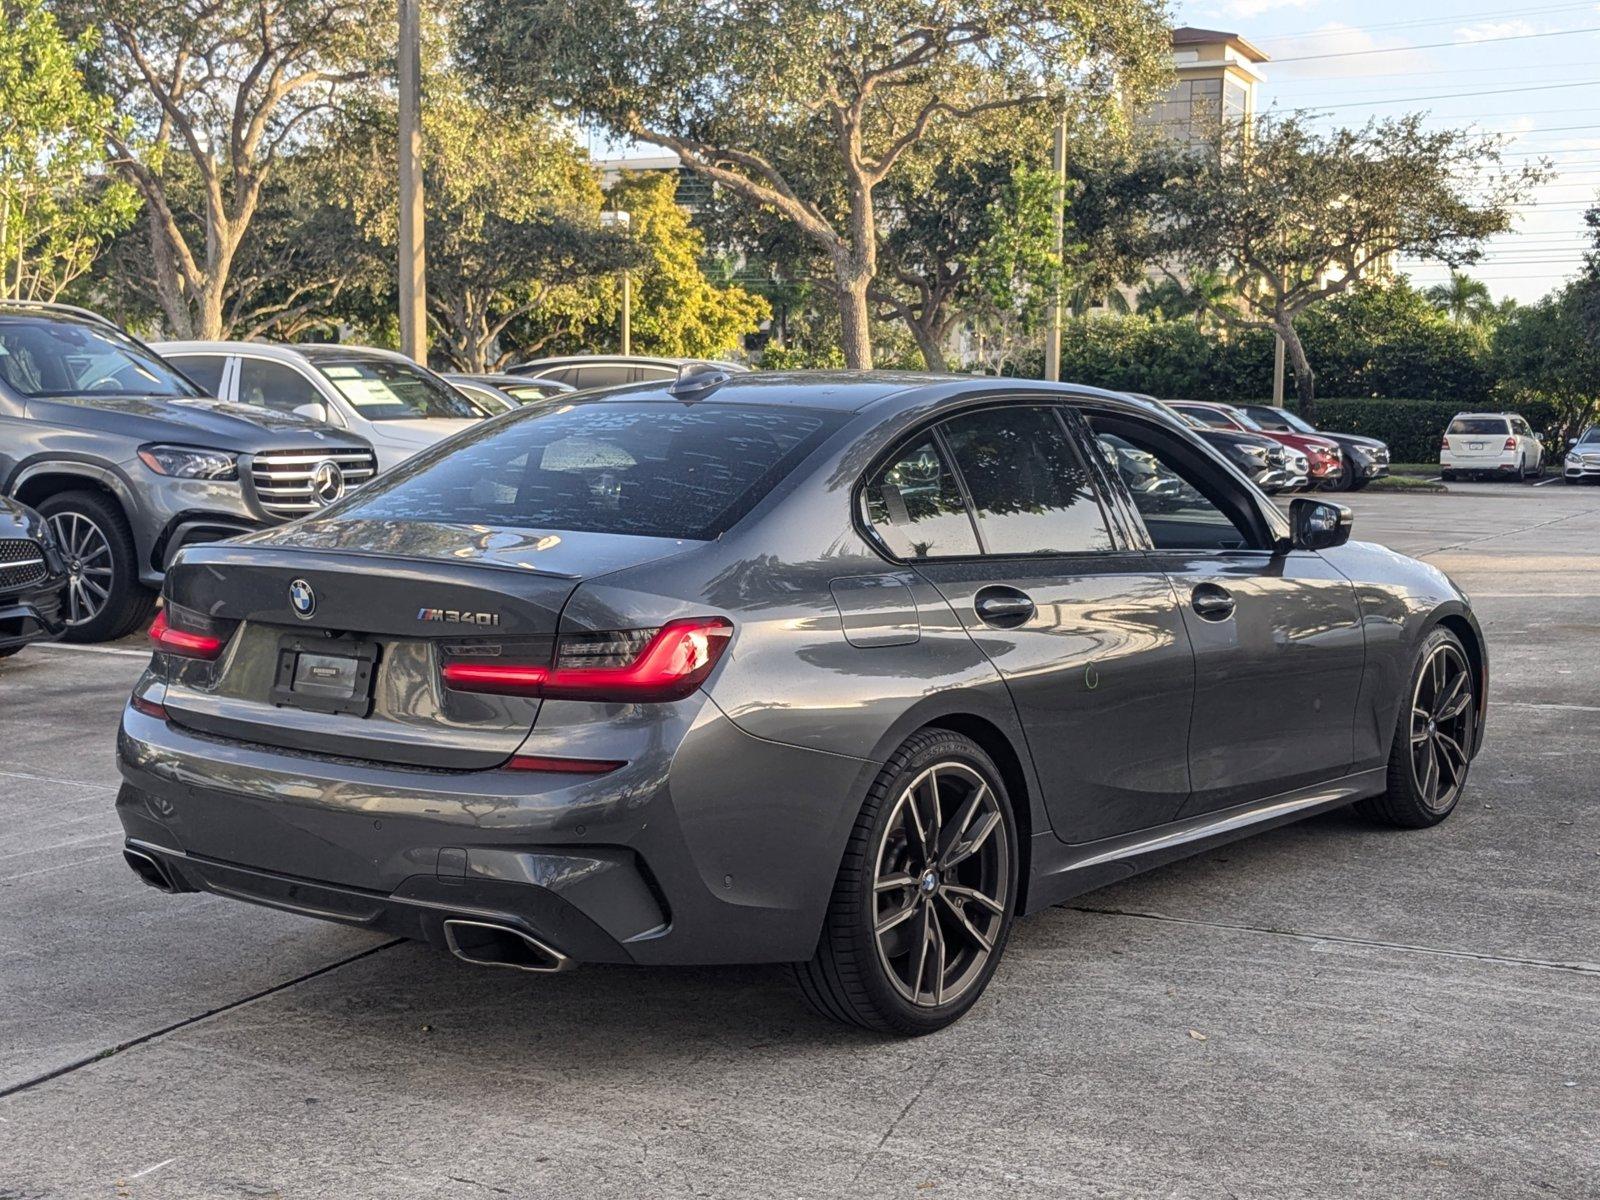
[1529, 71]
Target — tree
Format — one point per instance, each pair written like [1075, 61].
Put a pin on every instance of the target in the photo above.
[513, 220]
[804, 108]
[1465, 300]
[1197, 297]
[214, 93]
[677, 310]
[1299, 215]
[57, 208]
[969, 234]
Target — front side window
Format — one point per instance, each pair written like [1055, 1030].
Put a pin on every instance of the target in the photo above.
[1213, 417]
[915, 505]
[41, 358]
[386, 390]
[651, 470]
[274, 385]
[1184, 505]
[1030, 492]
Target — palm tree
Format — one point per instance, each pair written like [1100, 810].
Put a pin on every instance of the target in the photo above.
[1199, 297]
[1464, 299]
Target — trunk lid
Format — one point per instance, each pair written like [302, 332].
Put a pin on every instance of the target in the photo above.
[337, 632]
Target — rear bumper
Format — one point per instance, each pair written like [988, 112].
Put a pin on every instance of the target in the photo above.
[710, 846]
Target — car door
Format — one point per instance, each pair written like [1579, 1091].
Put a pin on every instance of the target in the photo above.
[996, 508]
[1276, 633]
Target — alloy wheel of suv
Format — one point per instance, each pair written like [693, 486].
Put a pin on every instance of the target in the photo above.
[104, 599]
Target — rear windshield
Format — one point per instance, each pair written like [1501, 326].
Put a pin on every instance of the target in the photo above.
[652, 470]
[1471, 425]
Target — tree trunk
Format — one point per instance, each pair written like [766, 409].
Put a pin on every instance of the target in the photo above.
[930, 340]
[856, 336]
[1305, 379]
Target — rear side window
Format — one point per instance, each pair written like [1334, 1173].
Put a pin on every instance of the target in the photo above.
[914, 504]
[204, 369]
[601, 375]
[1479, 425]
[1030, 491]
[1209, 416]
[652, 470]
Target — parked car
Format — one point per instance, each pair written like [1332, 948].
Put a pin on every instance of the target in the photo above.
[1323, 456]
[33, 579]
[1257, 457]
[498, 393]
[608, 370]
[845, 671]
[384, 398]
[129, 461]
[1365, 458]
[1583, 456]
[1498, 444]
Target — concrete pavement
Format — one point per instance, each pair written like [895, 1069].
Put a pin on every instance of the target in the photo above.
[1325, 1010]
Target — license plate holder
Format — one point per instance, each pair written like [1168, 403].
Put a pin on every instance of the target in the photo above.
[1474, 445]
[325, 675]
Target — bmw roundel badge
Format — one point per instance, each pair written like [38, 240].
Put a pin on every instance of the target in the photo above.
[302, 599]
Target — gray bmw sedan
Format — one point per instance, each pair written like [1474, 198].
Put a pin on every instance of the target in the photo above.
[843, 671]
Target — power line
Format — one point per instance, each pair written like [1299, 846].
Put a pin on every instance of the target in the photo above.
[1511, 37]
[1468, 95]
[1422, 21]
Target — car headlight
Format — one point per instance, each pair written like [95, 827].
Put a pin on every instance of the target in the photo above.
[190, 462]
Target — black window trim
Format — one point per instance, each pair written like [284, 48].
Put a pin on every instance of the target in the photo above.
[933, 428]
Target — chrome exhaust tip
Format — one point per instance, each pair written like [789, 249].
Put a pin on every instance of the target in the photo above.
[148, 869]
[488, 944]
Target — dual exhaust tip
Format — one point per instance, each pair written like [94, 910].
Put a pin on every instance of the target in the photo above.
[489, 944]
[148, 868]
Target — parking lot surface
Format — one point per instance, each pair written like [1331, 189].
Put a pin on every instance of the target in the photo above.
[1328, 1009]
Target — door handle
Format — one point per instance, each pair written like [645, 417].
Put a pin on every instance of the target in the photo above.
[1211, 602]
[1004, 606]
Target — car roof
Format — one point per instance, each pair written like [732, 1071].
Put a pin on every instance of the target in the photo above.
[859, 391]
[1487, 415]
[288, 352]
[643, 360]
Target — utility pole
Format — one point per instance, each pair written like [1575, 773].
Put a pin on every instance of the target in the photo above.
[413, 254]
[617, 219]
[1052, 345]
[1277, 370]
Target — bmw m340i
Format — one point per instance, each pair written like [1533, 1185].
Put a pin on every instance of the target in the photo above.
[847, 672]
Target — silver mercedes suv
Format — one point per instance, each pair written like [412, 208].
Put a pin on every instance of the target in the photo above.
[129, 460]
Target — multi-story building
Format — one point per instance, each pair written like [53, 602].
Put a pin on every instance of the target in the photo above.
[1217, 76]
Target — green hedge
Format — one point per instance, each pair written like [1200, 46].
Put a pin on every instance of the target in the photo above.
[1412, 428]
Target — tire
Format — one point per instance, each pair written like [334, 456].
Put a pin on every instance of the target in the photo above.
[1414, 798]
[1447, 476]
[867, 969]
[1358, 484]
[8, 651]
[90, 530]
[1522, 471]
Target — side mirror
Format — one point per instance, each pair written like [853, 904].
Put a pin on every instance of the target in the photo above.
[316, 410]
[1572, 441]
[1318, 524]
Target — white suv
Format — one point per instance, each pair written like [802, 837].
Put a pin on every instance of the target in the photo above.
[384, 397]
[1499, 444]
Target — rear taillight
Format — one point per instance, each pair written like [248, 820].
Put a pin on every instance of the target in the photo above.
[1511, 444]
[185, 642]
[1444, 443]
[629, 666]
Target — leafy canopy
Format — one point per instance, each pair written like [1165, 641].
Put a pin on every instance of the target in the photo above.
[57, 207]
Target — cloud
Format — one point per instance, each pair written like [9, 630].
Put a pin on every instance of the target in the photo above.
[1353, 45]
[1487, 30]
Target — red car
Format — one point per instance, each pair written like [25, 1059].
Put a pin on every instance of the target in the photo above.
[1327, 460]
